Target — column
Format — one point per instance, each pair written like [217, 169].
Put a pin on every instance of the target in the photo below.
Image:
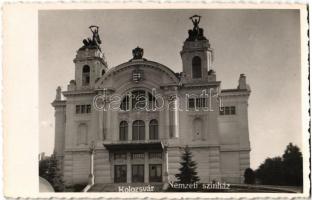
[176, 117]
[100, 135]
[91, 175]
[129, 171]
[167, 118]
[112, 166]
[146, 168]
[165, 166]
[146, 130]
[130, 130]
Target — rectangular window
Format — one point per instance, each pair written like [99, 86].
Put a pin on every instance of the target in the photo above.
[77, 109]
[80, 109]
[137, 156]
[138, 173]
[232, 110]
[83, 108]
[120, 174]
[155, 155]
[227, 110]
[155, 173]
[120, 156]
[88, 108]
[198, 103]
[191, 103]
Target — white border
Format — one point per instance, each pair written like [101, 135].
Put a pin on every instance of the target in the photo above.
[20, 100]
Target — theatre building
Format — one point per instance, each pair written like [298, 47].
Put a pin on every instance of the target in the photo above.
[121, 124]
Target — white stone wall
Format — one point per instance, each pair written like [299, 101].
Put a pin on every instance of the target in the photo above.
[102, 168]
[76, 167]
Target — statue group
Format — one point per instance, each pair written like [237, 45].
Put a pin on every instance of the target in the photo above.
[197, 33]
[95, 41]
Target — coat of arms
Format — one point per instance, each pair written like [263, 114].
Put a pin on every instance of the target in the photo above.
[137, 75]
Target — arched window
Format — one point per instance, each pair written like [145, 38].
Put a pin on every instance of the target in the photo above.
[123, 130]
[138, 100]
[86, 75]
[153, 129]
[82, 134]
[138, 130]
[103, 72]
[196, 67]
[125, 103]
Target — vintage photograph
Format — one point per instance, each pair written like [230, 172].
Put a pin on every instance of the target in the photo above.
[170, 100]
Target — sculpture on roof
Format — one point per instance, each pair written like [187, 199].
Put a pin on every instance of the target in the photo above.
[95, 41]
[197, 33]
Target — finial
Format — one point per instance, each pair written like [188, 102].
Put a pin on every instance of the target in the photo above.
[58, 93]
[137, 53]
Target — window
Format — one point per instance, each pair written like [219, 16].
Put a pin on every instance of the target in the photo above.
[125, 103]
[123, 130]
[81, 109]
[120, 174]
[85, 75]
[155, 173]
[138, 100]
[138, 130]
[155, 155]
[120, 156]
[103, 72]
[153, 129]
[137, 156]
[232, 110]
[227, 110]
[196, 67]
[77, 109]
[137, 173]
[191, 103]
[152, 103]
[82, 134]
[88, 108]
[198, 103]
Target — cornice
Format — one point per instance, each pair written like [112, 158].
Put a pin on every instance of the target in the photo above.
[90, 58]
[58, 103]
[234, 92]
[79, 92]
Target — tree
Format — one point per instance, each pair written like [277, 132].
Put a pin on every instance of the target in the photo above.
[187, 170]
[285, 170]
[48, 169]
[271, 171]
[292, 165]
[250, 176]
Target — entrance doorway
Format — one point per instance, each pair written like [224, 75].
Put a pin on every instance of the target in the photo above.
[138, 173]
[155, 174]
[120, 175]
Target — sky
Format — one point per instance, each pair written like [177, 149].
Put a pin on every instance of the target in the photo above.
[262, 44]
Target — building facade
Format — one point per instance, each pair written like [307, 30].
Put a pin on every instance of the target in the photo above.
[129, 123]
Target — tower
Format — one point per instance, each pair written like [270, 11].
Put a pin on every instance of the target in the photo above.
[196, 54]
[90, 62]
